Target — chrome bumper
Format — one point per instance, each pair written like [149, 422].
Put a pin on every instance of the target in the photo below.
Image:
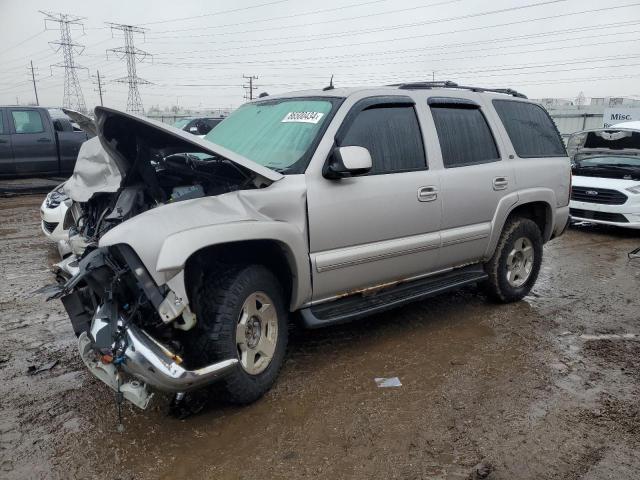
[151, 364]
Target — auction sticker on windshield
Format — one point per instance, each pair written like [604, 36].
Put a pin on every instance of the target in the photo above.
[302, 117]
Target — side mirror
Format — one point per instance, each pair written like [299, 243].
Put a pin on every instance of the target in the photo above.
[347, 162]
[57, 126]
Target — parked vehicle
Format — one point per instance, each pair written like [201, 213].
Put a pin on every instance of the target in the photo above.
[324, 205]
[606, 176]
[56, 219]
[37, 141]
[198, 126]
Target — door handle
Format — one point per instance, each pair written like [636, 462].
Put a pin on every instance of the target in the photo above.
[500, 183]
[44, 140]
[427, 194]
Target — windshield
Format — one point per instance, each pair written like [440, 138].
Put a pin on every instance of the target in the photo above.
[608, 161]
[278, 134]
[182, 122]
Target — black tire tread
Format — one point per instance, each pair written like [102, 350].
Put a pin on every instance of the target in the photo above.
[216, 304]
[496, 287]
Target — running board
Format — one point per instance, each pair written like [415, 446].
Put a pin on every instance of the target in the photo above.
[357, 306]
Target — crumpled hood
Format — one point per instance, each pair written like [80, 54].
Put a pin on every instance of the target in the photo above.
[283, 203]
[105, 164]
[95, 171]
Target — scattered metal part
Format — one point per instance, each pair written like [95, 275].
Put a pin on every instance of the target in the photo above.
[633, 254]
[388, 382]
[33, 370]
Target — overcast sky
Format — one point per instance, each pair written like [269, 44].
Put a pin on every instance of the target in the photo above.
[200, 50]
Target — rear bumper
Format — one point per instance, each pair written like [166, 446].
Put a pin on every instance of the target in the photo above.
[561, 221]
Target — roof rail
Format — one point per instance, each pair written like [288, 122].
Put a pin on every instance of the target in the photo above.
[450, 84]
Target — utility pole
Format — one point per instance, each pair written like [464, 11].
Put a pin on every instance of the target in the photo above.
[33, 78]
[100, 89]
[132, 55]
[249, 88]
[73, 97]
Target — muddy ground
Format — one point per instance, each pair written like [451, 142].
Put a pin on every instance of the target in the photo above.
[546, 388]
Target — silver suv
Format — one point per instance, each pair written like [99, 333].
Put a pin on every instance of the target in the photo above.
[318, 206]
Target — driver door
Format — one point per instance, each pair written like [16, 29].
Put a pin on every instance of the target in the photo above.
[384, 226]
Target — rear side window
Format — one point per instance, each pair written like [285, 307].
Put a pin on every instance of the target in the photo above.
[27, 121]
[392, 135]
[465, 137]
[531, 130]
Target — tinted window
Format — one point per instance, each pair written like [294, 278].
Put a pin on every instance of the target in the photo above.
[392, 136]
[27, 121]
[465, 137]
[1, 122]
[531, 130]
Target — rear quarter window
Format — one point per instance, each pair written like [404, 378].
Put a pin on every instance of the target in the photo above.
[530, 129]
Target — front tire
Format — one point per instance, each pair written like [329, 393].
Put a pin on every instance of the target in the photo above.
[242, 314]
[514, 267]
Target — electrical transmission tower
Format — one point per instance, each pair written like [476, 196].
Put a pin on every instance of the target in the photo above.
[132, 56]
[249, 88]
[73, 98]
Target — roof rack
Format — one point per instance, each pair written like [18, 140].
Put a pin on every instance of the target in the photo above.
[450, 84]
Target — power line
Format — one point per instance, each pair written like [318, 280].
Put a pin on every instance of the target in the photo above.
[281, 17]
[425, 35]
[73, 97]
[132, 56]
[216, 13]
[351, 32]
[320, 60]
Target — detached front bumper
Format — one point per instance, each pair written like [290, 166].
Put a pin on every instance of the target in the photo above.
[150, 364]
[113, 331]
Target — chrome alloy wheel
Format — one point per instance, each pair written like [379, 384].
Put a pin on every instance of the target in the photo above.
[257, 333]
[520, 262]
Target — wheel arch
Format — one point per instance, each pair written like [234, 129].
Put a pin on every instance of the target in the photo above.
[535, 204]
[277, 245]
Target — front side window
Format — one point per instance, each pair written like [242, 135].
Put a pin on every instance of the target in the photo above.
[465, 137]
[531, 130]
[279, 134]
[392, 135]
[27, 121]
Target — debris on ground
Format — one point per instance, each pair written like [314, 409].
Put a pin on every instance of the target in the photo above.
[33, 370]
[481, 471]
[388, 382]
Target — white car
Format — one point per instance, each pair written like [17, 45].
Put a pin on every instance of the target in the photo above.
[606, 176]
[56, 219]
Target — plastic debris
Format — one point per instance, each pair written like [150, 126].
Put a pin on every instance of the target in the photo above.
[33, 370]
[388, 382]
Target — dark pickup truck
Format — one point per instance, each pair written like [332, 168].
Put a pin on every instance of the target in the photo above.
[37, 141]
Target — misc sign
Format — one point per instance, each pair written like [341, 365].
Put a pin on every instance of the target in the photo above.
[613, 116]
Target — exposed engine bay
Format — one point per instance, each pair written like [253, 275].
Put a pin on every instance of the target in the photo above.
[134, 331]
[174, 178]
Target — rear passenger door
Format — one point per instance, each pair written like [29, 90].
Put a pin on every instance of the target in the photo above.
[33, 141]
[7, 166]
[380, 227]
[476, 177]
[540, 156]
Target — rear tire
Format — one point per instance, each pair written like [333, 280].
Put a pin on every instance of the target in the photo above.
[514, 267]
[241, 314]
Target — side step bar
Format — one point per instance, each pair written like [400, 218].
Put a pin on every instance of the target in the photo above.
[357, 306]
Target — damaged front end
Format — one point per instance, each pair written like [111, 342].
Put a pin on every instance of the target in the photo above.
[131, 332]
